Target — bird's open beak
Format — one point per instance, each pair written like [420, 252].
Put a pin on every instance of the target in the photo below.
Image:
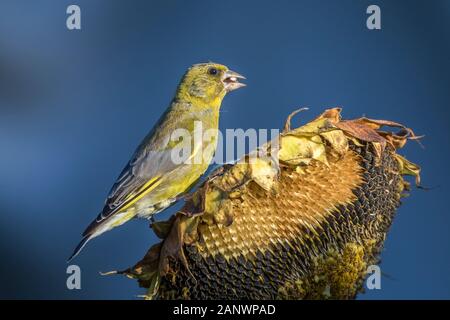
[231, 80]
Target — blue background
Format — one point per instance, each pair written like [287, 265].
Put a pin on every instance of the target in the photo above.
[75, 104]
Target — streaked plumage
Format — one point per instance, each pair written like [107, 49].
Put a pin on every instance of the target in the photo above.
[152, 181]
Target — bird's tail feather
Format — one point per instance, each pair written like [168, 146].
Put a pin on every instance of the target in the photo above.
[80, 246]
[98, 227]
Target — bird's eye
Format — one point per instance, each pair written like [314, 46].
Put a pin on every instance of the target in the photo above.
[213, 71]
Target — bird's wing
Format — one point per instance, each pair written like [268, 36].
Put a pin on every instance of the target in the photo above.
[146, 169]
[141, 175]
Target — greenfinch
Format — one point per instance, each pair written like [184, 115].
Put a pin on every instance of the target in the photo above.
[156, 175]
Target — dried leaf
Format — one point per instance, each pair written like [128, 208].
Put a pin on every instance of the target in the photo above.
[408, 168]
[360, 130]
[162, 228]
[337, 140]
[173, 245]
[287, 124]
[264, 171]
[333, 115]
[296, 150]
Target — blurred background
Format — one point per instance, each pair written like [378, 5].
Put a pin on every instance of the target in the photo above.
[75, 104]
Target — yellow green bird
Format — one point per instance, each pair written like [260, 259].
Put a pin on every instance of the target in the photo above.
[155, 177]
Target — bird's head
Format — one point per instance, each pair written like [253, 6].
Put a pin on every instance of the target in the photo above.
[207, 83]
